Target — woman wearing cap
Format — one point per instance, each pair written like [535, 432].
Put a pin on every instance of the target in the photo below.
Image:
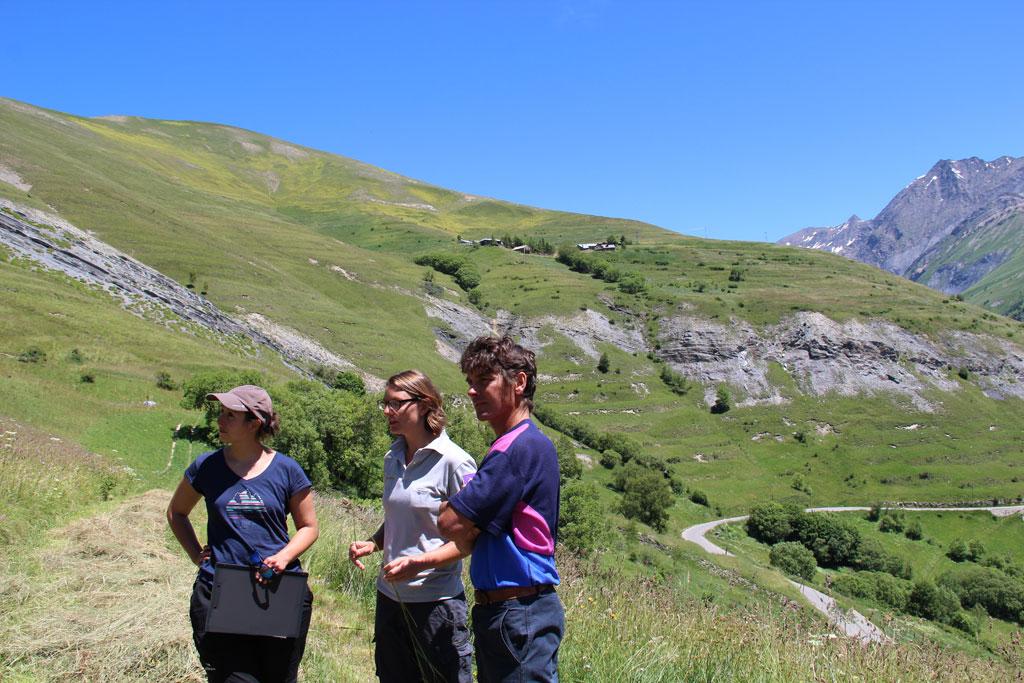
[249, 490]
[420, 627]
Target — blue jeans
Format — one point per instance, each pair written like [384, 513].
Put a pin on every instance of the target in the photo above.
[517, 640]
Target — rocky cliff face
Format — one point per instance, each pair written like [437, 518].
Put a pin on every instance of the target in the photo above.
[847, 359]
[918, 233]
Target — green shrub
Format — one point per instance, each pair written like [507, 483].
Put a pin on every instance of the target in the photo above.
[772, 522]
[793, 558]
[872, 556]
[164, 381]
[723, 401]
[914, 531]
[1000, 595]
[87, 378]
[32, 354]
[569, 466]
[581, 520]
[957, 550]
[929, 601]
[700, 498]
[610, 459]
[833, 540]
[892, 522]
[346, 380]
[338, 438]
[676, 383]
[646, 495]
[75, 356]
[602, 363]
[877, 586]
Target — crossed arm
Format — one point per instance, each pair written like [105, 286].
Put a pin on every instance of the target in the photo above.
[452, 525]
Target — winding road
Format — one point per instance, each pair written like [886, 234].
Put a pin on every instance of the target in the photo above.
[851, 622]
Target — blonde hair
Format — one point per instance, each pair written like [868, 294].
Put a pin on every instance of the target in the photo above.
[419, 386]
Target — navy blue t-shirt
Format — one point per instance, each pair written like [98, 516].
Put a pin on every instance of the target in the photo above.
[245, 515]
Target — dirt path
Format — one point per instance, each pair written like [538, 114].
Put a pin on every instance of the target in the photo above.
[852, 623]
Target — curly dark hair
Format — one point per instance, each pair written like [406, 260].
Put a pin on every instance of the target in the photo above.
[489, 355]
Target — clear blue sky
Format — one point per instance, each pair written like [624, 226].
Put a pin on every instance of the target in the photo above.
[739, 120]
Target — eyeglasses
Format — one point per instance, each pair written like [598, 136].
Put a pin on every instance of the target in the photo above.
[396, 403]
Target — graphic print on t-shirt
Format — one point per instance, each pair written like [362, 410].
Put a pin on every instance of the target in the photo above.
[245, 504]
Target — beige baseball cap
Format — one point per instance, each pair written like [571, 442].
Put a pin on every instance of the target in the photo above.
[247, 398]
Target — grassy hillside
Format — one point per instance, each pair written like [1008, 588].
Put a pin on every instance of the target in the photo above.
[326, 245]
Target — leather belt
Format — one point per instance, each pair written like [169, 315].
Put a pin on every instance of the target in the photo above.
[502, 594]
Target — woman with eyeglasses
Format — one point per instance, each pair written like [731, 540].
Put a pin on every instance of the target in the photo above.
[420, 630]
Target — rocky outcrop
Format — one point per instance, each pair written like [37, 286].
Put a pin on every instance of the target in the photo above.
[58, 245]
[826, 357]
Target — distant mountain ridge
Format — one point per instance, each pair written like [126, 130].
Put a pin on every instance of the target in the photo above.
[957, 228]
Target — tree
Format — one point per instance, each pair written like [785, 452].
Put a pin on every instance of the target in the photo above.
[349, 381]
[610, 459]
[833, 540]
[892, 522]
[569, 466]
[581, 522]
[929, 601]
[793, 558]
[646, 495]
[723, 401]
[957, 550]
[338, 438]
[772, 522]
[602, 364]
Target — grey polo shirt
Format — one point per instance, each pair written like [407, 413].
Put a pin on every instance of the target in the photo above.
[412, 498]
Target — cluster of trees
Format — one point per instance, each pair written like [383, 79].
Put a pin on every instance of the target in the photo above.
[459, 267]
[628, 281]
[832, 540]
[802, 541]
[567, 424]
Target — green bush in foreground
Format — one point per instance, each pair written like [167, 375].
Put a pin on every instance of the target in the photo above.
[793, 558]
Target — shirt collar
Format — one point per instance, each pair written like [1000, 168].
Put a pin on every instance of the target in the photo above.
[440, 444]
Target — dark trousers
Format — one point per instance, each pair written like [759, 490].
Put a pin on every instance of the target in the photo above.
[229, 658]
[422, 641]
[517, 640]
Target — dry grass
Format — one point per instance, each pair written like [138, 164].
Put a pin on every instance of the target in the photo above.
[106, 599]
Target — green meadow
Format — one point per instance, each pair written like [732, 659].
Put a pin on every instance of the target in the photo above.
[326, 246]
